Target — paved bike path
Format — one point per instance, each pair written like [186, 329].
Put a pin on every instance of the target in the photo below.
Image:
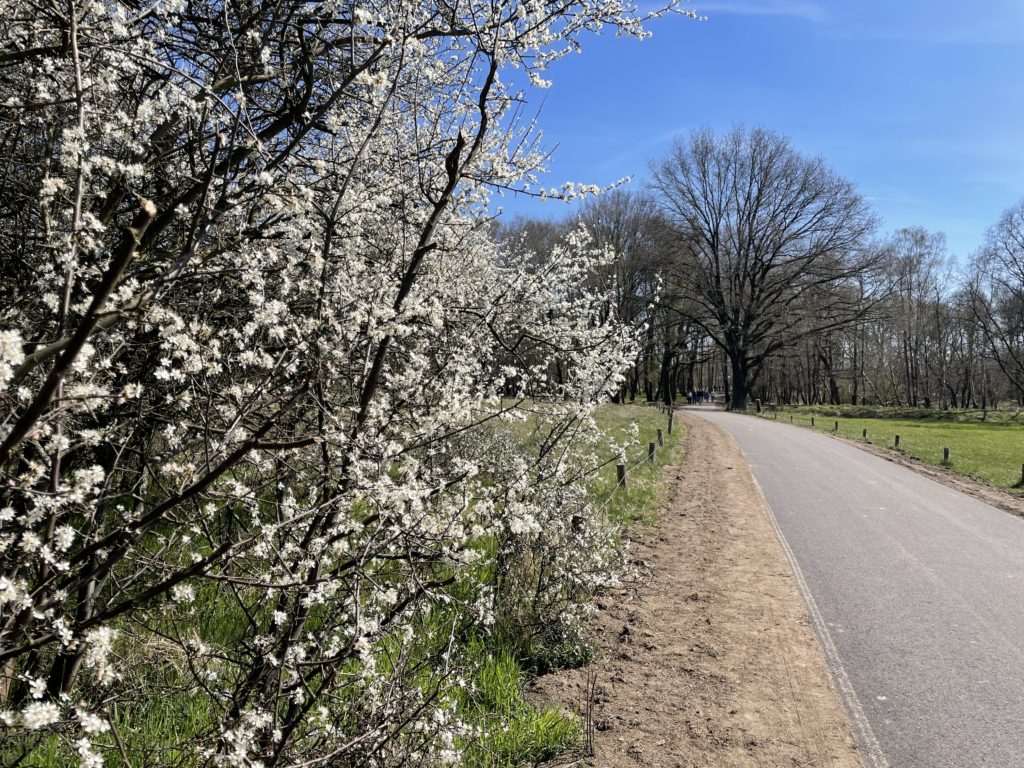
[918, 591]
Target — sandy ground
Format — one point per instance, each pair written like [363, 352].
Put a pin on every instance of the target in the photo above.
[706, 657]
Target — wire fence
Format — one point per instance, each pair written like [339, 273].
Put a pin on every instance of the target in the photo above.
[923, 444]
[623, 470]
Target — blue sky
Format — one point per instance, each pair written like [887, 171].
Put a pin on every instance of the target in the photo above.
[921, 104]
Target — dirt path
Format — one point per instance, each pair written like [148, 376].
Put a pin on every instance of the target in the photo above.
[707, 659]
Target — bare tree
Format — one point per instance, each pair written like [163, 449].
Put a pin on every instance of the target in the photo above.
[996, 288]
[768, 243]
[625, 224]
[920, 271]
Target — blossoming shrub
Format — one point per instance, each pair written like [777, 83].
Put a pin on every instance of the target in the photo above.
[251, 324]
[549, 553]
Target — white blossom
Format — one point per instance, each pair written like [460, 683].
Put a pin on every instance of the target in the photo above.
[40, 714]
[183, 593]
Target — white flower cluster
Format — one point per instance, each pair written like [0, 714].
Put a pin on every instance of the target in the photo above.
[11, 354]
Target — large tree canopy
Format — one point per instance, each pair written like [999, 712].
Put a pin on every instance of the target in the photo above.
[766, 244]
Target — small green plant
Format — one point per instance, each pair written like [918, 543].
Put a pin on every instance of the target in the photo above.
[513, 732]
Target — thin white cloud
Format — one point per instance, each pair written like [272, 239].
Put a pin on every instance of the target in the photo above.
[940, 22]
[800, 9]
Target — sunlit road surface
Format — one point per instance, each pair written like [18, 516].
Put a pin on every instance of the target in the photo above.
[916, 591]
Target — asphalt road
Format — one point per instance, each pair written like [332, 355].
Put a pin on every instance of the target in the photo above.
[916, 591]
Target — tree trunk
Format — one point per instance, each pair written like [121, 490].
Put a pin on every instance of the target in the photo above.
[740, 383]
[725, 379]
[664, 391]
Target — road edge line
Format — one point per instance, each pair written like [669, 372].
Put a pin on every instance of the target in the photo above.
[862, 730]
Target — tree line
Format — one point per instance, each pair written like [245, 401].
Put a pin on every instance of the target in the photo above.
[756, 271]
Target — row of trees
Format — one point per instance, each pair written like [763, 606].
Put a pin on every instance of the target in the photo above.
[933, 333]
[259, 352]
[759, 272]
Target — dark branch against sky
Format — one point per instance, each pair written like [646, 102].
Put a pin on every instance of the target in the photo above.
[921, 104]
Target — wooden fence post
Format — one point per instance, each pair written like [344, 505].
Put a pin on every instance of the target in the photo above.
[945, 455]
[836, 427]
[812, 421]
[864, 434]
[670, 414]
[661, 438]
[620, 473]
[897, 441]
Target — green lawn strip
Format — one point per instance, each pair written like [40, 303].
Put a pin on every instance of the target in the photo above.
[991, 451]
[645, 483]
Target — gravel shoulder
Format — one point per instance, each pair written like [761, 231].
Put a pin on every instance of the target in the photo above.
[706, 657]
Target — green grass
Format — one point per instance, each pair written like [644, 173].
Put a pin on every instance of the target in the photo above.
[645, 482]
[645, 486]
[991, 451]
[514, 732]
